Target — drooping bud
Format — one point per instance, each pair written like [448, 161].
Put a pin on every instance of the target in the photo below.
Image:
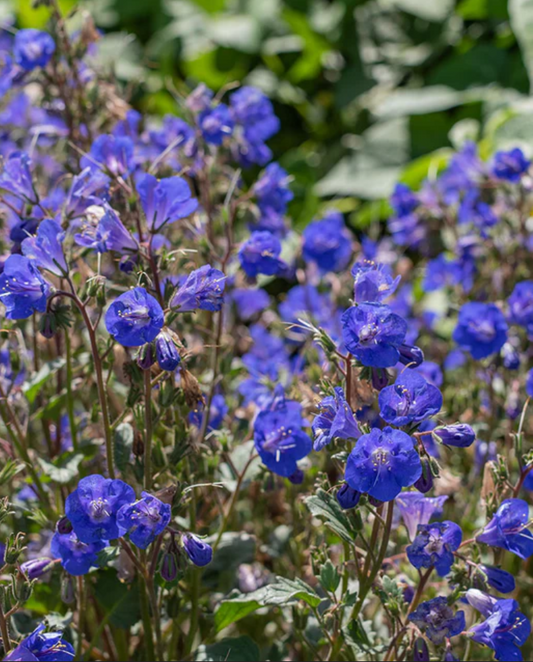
[425, 482]
[420, 650]
[347, 497]
[411, 355]
[64, 526]
[198, 551]
[146, 356]
[297, 478]
[36, 568]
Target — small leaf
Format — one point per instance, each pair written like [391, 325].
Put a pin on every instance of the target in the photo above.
[62, 474]
[33, 387]
[239, 649]
[122, 445]
[329, 577]
[325, 505]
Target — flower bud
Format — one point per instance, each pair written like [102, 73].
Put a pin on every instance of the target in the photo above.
[297, 478]
[191, 389]
[374, 502]
[499, 579]
[64, 526]
[458, 434]
[169, 565]
[14, 548]
[48, 325]
[36, 568]
[167, 351]
[199, 552]
[347, 497]
[420, 650]
[21, 587]
[68, 590]
[425, 482]
[380, 379]
[146, 356]
[411, 355]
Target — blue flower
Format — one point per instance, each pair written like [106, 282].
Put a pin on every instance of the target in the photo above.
[431, 372]
[410, 355]
[383, 462]
[134, 318]
[417, 509]
[440, 272]
[267, 355]
[507, 529]
[373, 334]
[327, 242]
[278, 435]
[529, 383]
[510, 356]
[216, 124]
[260, 255]
[199, 99]
[403, 200]
[504, 630]
[476, 211]
[144, 520]
[166, 350]
[198, 551]
[254, 116]
[76, 557]
[23, 290]
[165, 201]
[113, 154]
[335, 420]
[46, 248]
[217, 413]
[250, 302]
[521, 305]
[438, 620]
[499, 579]
[93, 506]
[409, 400]
[87, 189]
[347, 497]
[16, 176]
[35, 568]
[434, 545]
[373, 281]
[272, 190]
[458, 434]
[33, 48]
[510, 166]
[41, 645]
[105, 232]
[481, 329]
[203, 289]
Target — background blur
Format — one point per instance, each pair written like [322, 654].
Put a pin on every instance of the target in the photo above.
[368, 91]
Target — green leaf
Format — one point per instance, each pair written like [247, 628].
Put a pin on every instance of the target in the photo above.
[325, 505]
[64, 473]
[521, 15]
[234, 609]
[239, 649]
[290, 590]
[122, 600]
[33, 387]
[329, 577]
[106, 555]
[436, 11]
[122, 445]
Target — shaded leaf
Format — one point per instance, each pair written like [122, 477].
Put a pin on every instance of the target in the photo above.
[239, 649]
[325, 505]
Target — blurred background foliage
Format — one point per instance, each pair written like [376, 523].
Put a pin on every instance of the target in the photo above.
[368, 91]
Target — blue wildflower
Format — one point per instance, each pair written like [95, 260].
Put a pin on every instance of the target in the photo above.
[166, 349]
[134, 318]
[92, 507]
[16, 177]
[499, 579]
[403, 200]
[165, 200]
[504, 630]
[510, 356]
[278, 435]
[373, 281]
[260, 255]
[383, 462]
[521, 305]
[217, 413]
[112, 154]
[507, 529]
[144, 520]
[431, 372]
[327, 243]
[476, 211]
[373, 334]
[438, 620]
[267, 355]
[481, 329]
[198, 551]
[216, 124]
[77, 557]
[335, 420]
[23, 290]
[272, 190]
[460, 435]
[409, 400]
[41, 645]
[511, 165]
[105, 232]
[33, 48]
[250, 302]
[203, 290]
[199, 99]
[87, 189]
[46, 248]
[434, 545]
[254, 116]
[347, 497]
[417, 509]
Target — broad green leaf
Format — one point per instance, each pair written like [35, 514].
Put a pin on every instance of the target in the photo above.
[119, 598]
[325, 505]
[289, 590]
[236, 608]
[33, 387]
[521, 15]
[239, 649]
[329, 577]
[122, 445]
[65, 472]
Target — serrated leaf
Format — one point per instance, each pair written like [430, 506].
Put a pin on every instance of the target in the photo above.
[239, 649]
[325, 505]
[122, 445]
[32, 388]
[64, 473]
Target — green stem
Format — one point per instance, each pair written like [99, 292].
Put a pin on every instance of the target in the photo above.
[5, 631]
[147, 622]
[82, 607]
[147, 430]
[156, 616]
[70, 394]
[195, 597]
